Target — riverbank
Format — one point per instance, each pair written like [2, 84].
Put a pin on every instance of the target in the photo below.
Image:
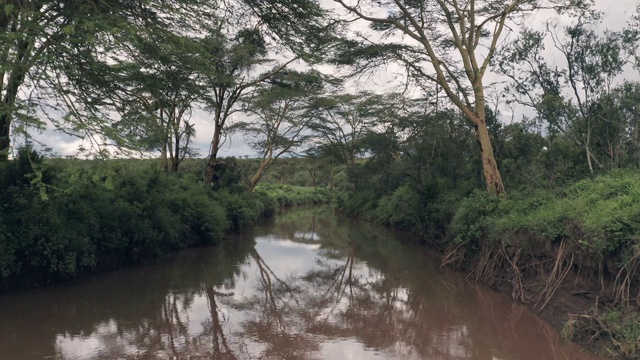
[306, 284]
[64, 219]
[572, 254]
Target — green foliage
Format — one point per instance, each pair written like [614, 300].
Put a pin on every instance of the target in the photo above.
[402, 209]
[621, 328]
[627, 336]
[244, 208]
[7, 252]
[99, 216]
[600, 215]
[298, 24]
[474, 218]
[291, 195]
[64, 50]
[361, 204]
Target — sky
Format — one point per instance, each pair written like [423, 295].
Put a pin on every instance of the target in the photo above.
[616, 14]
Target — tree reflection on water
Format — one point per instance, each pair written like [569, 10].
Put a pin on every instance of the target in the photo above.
[314, 286]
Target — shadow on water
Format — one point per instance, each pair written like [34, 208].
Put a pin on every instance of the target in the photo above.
[308, 285]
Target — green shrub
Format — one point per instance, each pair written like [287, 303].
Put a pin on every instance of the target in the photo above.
[474, 218]
[622, 329]
[66, 218]
[291, 195]
[7, 252]
[601, 214]
[402, 209]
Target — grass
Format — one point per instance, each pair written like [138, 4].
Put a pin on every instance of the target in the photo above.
[601, 215]
[621, 330]
[291, 195]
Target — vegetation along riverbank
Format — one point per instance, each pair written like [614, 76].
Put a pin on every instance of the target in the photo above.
[518, 160]
[572, 254]
[63, 219]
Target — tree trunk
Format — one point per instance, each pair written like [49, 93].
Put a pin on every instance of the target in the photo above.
[588, 152]
[15, 80]
[492, 176]
[489, 166]
[163, 157]
[213, 155]
[313, 178]
[6, 111]
[5, 140]
[174, 165]
[175, 160]
[258, 175]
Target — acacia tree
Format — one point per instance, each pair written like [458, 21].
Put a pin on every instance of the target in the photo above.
[155, 88]
[239, 46]
[340, 123]
[447, 43]
[567, 97]
[233, 62]
[30, 32]
[282, 114]
[52, 58]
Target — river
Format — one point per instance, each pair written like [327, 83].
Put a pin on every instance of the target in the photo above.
[307, 285]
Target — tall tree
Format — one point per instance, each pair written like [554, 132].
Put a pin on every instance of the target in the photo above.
[29, 31]
[281, 115]
[449, 44]
[154, 90]
[617, 125]
[234, 63]
[240, 45]
[566, 98]
[340, 123]
[49, 50]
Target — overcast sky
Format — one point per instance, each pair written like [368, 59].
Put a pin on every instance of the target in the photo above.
[616, 12]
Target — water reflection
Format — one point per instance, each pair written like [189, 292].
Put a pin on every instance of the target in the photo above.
[308, 286]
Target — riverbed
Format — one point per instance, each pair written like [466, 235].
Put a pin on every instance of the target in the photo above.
[306, 285]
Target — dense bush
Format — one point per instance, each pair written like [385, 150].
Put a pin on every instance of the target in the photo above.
[601, 215]
[245, 209]
[61, 219]
[473, 219]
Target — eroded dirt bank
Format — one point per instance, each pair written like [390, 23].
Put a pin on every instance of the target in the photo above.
[591, 301]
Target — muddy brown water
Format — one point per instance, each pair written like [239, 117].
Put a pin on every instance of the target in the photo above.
[308, 285]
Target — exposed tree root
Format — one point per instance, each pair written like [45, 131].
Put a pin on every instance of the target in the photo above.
[515, 276]
[564, 269]
[454, 256]
[624, 282]
[485, 266]
[494, 264]
[561, 269]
